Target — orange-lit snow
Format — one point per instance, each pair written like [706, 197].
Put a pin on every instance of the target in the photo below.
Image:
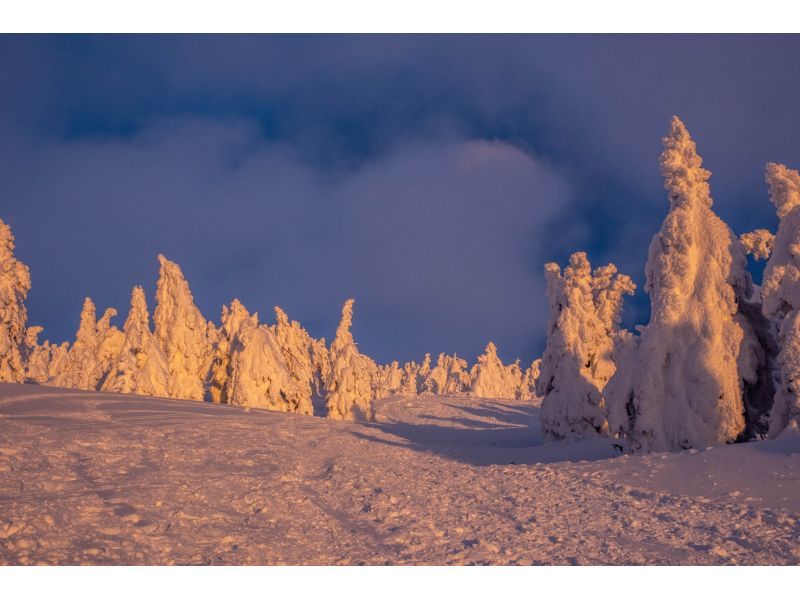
[89, 477]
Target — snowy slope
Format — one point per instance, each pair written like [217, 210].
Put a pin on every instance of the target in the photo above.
[90, 477]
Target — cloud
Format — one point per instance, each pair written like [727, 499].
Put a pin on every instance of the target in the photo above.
[434, 241]
[250, 158]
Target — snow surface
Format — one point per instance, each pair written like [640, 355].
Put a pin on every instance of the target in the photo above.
[89, 477]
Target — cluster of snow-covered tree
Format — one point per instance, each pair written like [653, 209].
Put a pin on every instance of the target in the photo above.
[241, 362]
[718, 362]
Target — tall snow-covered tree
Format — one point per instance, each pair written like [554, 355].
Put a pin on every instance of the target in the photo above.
[182, 333]
[305, 358]
[578, 358]
[83, 352]
[680, 385]
[780, 294]
[233, 319]
[15, 282]
[140, 367]
[110, 342]
[350, 387]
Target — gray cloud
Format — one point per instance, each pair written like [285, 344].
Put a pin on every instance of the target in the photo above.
[291, 169]
[431, 240]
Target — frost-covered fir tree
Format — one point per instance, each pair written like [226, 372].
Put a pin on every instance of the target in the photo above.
[408, 383]
[514, 375]
[390, 379]
[349, 389]
[527, 386]
[110, 342]
[15, 282]
[581, 335]
[182, 333]
[36, 356]
[780, 293]
[458, 378]
[233, 319]
[259, 375]
[436, 381]
[305, 359]
[321, 363]
[140, 367]
[91, 356]
[491, 379]
[82, 353]
[758, 243]
[58, 360]
[680, 385]
[423, 372]
[45, 361]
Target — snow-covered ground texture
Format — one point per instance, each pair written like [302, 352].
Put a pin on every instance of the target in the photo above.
[88, 477]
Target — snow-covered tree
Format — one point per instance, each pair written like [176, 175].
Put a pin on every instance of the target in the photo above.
[514, 375]
[758, 243]
[140, 367]
[321, 363]
[527, 386]
[423, 372]
[182, 333]
[305, 358]
[408, 383]
[349, 389]
[46, 362]
[581, 336]
[680, 385]
[260, 376]
[110, 342]
[36, 356]
[436, 381]
[91, 356]
[251, 365]
[491, 379]
[58, 360]
[233, 319]
[15, 282]
[458, 378]
[780, 294]
[82, 353]
[390, 378]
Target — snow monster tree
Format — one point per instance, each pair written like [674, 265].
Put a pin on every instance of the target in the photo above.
[780, 294]
[680, 384]
[15, 282]
[581, 336]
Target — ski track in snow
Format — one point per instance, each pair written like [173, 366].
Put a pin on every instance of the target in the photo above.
[98, 478]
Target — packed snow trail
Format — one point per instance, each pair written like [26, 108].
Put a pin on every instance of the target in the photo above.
[101, 478]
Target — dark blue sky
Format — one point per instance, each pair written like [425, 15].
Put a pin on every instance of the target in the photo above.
[430, 177]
